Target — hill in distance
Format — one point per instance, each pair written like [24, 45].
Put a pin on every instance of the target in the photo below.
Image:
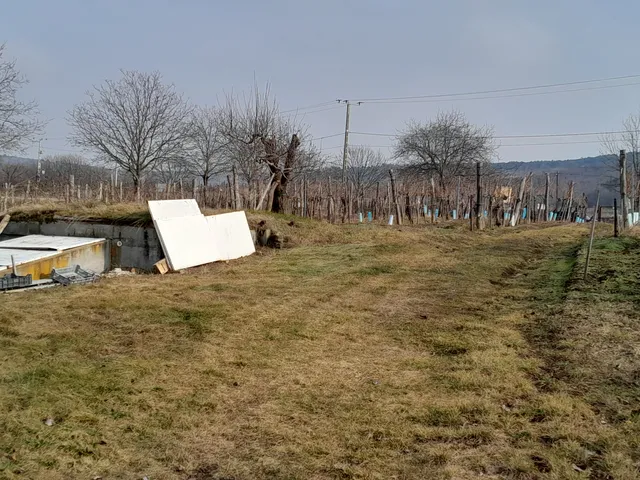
[589, 174]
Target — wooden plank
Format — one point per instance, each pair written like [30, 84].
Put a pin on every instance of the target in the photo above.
[162, 266]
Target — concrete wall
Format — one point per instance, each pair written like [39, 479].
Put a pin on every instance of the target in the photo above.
[130, 247]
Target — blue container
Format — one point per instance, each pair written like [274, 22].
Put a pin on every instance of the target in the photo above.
[370, 216]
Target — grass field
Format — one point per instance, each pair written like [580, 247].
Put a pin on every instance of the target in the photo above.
[361, 352]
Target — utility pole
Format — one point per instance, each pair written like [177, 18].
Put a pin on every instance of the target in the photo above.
[345, 152]
[39, 165]
[478, 197]
[623, 189]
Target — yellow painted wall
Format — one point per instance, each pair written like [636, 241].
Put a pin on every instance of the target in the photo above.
[92, 257]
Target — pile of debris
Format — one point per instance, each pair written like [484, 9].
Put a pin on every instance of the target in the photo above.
[190, 239]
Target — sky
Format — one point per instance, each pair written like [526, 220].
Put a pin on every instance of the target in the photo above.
[316, 52]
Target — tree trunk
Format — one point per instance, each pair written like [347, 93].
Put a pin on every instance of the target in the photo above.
[277, 206]
[136, 188]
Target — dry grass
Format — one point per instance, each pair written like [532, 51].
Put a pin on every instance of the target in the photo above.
[363, 352]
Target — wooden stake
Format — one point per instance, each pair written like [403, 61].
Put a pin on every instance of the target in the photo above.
[593, 230]
[546, 199]
[515, 216]
[394, 193]
[623, 190]
[236, 192]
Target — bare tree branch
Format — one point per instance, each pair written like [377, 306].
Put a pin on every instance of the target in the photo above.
[365, 168]
[205, 144]
[445, 147]
[136, 123]
[255, 132]
[18, 120]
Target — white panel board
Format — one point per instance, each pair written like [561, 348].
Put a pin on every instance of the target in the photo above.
[46, 242]
[23, 256]
[231, 234]
[186, 241]
[173, 208]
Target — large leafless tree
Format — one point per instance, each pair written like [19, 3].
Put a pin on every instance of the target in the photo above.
[206, 143]
[136, 123]
[19, 124]
[446, 146]
[278, 143]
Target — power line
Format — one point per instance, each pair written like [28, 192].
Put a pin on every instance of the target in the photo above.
[542, 135]
[303, 114]
[504, 96]
[501, 90]
[308, 107]
[548, 143]
[327, 136]
[60, 150]
[335, 107]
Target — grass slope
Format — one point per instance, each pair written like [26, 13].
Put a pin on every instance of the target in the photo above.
[363, 352]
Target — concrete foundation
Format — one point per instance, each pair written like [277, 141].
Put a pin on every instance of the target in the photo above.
[94, 257]
[130, 247]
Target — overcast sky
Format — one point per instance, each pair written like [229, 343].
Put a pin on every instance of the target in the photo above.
[316, 52]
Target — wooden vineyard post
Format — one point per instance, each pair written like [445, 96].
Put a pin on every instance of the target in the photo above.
[546, 199]
[516, 211]
[623, 190]
[593, 230]
[236, 189]
[616, 231]
[394, 193]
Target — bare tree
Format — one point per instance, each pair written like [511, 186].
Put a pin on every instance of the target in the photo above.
[173, 170]
[135, 123]
[18, 120]
[629, 140]
[206, 144]
[59, 168]
[365, 168]
[281, 146]
[12, 173]
[445, 147]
